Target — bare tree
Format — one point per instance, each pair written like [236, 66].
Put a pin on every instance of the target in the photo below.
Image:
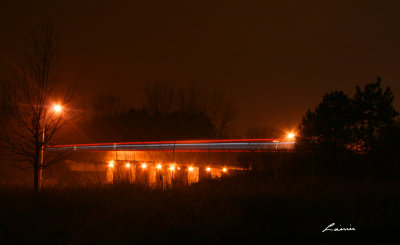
[210, 102]
[160, 98]
[108, 105]
[164, 98]
[221, 113]
[28, 122]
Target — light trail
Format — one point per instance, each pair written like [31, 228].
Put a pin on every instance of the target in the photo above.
[231, 145]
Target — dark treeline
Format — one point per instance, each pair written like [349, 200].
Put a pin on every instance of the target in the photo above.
[351, 134]
[342, 124]
[167, 113]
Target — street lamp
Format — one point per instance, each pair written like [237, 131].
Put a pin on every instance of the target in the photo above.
[57, 109]
[290, 136]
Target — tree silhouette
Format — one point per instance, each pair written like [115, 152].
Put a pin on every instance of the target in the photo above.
[389, 145]
[373, 112]
[28, 124]
[340, 123]
[162, 98]
[108, 105]
[328, 127]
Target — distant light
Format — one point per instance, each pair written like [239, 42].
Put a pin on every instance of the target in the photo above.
[111, 164]
[290, 136]
[144, 165]
[190, 169]
[208, 169]
[128, 165]
[224, 170]
[158, 166]
[179, 168]
[172, 168]
[57, 108]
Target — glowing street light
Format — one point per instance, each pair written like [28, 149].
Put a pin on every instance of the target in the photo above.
[57, 109]
[172, 168]
[190, 169]
[111, 164]
[158, 166]
[128, 165]
[208, 169]
[144, 165]
[224, 170]
[290, 136]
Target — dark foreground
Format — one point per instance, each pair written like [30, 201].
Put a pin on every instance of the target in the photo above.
[239, 208]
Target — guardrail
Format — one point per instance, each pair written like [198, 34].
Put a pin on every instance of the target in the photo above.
[227, 145]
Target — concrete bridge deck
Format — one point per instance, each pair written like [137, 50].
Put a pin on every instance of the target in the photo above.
[225, 145]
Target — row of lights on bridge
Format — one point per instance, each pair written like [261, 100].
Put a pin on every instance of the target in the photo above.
[111, 164]
[289, 136]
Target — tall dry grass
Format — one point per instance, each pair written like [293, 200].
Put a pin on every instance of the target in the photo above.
[242, 208]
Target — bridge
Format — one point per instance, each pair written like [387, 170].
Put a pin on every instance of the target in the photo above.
[221, 145]
[161, 163]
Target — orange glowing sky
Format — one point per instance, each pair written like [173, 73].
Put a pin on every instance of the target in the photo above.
[273, 59]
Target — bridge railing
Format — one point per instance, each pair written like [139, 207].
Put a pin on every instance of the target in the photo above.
[231, 145]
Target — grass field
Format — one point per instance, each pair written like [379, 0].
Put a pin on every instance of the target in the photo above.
[243, 208]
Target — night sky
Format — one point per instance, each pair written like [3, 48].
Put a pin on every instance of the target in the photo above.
[273, 59]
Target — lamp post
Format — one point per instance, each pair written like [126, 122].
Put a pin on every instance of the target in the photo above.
[56, 109]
